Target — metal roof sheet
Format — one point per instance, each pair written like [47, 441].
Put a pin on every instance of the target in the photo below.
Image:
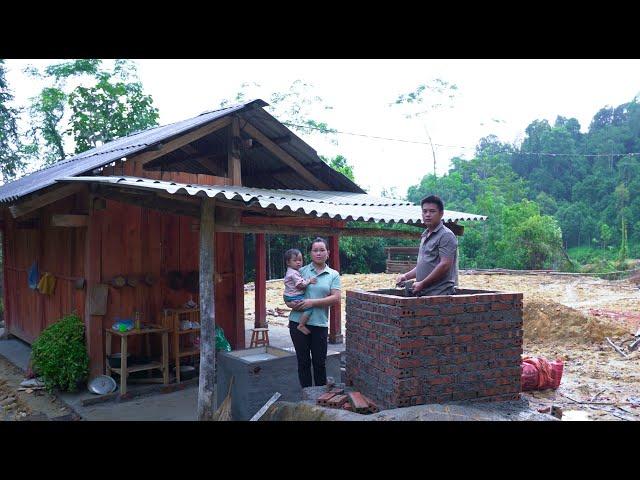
[107, 153]
[98, 157]
[337, 205]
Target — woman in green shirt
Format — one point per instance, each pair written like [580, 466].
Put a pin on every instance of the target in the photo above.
[311, 349]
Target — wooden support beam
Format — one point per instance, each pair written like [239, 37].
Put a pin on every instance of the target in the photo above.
[7, 288]
[285, 157]
[207, 386]
[290, 221]
[153, 202]
[146, 157]
[261, 282]
[59, 220]
[204, 160]
[323, 231]
[335, 319]
[458, 230]
[238, 289]
[40, 200]
[93, 273]
[234, 167]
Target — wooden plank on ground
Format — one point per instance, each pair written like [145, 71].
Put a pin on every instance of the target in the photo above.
[265, 407]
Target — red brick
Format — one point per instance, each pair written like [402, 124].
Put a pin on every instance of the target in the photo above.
[337, 401]
[441, 380]
[439, 339]
[322, 399]
[358, 402]
[426, 331]
[453, 310]
[427, 312]
[506, 297]
[501, 306]
[477, 308]
[437, 299]
[463, 299]
[462, 338]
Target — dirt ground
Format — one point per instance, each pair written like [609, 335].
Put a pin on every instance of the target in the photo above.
[23, 405]
[565, 317]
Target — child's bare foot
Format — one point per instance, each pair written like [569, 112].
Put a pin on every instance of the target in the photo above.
[304, 329]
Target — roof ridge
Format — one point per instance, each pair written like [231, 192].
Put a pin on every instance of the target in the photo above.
[91, 152]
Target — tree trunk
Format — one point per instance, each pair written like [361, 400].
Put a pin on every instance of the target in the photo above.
[207, 385]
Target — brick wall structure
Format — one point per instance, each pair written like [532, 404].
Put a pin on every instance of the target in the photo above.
[405, 350]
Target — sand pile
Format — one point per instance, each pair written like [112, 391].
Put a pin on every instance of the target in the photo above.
[548, 320]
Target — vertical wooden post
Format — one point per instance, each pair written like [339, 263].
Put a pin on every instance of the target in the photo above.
[207, 386]
[234, 171]
[335, 319]
[93, 274]
[6, 298]
[238, 289]
[261, 282]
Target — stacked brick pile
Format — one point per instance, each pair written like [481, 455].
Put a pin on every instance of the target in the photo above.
[403, 351]
[352, 401]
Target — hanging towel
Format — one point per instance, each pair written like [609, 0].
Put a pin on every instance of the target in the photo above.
[47, 284]
[33, 276]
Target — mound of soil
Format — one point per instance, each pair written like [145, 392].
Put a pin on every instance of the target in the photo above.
[548, 320]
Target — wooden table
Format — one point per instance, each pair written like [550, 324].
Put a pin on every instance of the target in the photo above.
[125, 370]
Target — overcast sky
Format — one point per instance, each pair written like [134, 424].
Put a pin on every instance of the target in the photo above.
[498, 97]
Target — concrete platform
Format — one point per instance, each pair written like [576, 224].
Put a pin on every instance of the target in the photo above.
[148, 402]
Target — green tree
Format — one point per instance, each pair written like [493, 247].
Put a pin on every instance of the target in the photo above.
[114, 107]
[12, 151]
[297, 107]
[425, 100]
[339, 163]
[606, 233]
[103, 105]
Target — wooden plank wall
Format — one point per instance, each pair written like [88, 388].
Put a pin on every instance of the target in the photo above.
[59, 251]
[134, 168]
[134, 241]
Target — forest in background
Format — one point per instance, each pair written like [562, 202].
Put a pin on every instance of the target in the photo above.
[562, 198]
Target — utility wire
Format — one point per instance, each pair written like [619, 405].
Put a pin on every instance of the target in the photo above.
[375, 137]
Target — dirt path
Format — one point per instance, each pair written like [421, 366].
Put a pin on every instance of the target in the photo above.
[20, 405]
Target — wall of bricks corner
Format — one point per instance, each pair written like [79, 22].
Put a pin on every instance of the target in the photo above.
[403, 351]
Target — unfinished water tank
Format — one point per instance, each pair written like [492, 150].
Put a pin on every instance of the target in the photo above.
[259, 373]
[404, 350]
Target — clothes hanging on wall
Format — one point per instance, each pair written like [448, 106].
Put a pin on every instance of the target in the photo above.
[33, 276]
[47, 284]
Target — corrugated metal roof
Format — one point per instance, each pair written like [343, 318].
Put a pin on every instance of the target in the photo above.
[98, 157]
[336, 205]
[109, 152]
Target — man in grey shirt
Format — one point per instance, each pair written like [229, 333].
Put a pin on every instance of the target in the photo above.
[436, 271]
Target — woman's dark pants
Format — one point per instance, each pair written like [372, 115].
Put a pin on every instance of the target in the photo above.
[311, 350]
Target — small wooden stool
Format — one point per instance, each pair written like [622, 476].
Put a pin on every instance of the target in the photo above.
[259, 337]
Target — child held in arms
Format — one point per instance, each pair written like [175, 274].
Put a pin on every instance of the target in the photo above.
[295, 285]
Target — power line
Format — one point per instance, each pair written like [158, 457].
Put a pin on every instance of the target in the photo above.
[375, 137]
